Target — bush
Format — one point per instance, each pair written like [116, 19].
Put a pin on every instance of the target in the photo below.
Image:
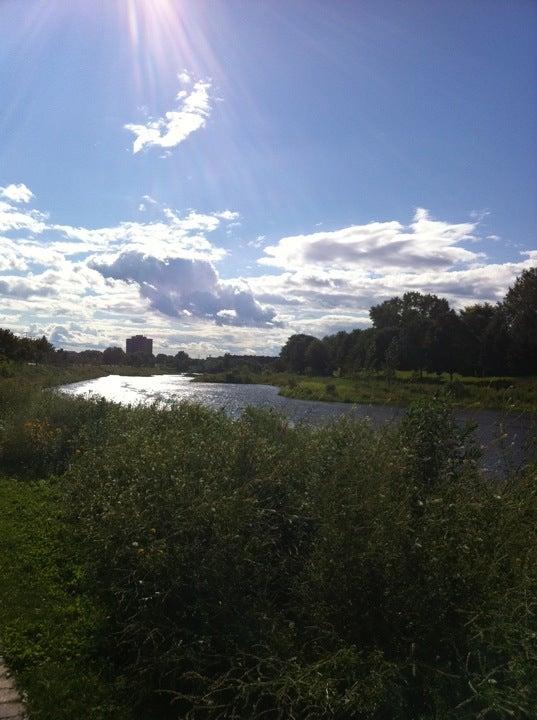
[330, 389]
[457, 389]
[253, 569]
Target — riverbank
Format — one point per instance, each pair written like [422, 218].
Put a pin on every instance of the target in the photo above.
[41, 375]
[247, 568]
[508, 394]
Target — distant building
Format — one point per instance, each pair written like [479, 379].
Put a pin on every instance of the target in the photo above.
[139, 344]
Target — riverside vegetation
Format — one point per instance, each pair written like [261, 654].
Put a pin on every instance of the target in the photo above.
[180, 564]
[417, 345]
[397, 388]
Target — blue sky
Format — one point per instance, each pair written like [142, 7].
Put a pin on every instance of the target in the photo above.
[220, 174]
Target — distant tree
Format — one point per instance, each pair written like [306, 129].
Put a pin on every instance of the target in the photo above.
[9, 343]
[391, 359]
[25, 348]
[520, 307]
[363, 350]
[497, 343]
[42, 350]
[317, 358]
[293, 353]
[476, 319]
[182, 361]
[385, 338]
[140, 359]
[95, 357]
[387, 314]
[448, 338]
[114, 356]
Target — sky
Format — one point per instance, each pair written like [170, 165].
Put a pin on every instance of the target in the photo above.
[221, 174]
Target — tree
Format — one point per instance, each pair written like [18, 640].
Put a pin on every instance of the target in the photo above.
[337, 347]
[182, 361]
[476, 319]
[391, 359]
[520, 307]
[317, 358]
[387, 314]
[114, 356]
[497, 343]
[386, 338]
[446, 344]
[42, 349]
[293, 353]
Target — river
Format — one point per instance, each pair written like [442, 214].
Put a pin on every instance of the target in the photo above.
[505, 438]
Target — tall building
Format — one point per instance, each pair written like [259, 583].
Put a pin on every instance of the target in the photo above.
[139, 344]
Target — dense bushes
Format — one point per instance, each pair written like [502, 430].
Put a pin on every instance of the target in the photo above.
[258, 570]
[250, 569]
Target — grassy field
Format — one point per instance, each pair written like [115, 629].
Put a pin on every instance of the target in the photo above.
[179, 564]
[519, 394]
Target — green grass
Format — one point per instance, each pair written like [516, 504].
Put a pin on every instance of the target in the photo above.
[51, 629]
[510, 394]
[178, 564]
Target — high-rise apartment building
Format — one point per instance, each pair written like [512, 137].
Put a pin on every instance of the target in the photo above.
[139, 344]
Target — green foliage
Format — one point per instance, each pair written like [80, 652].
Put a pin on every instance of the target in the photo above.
[51, 629]
[521, 311]
[420, 332]
[249, 569]
[257, 570]
[403, 388]
[24, 348]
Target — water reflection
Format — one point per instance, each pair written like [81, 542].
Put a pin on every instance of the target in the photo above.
[504, 437]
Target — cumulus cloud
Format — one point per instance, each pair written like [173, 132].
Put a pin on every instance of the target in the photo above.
[176, 125]
[192, 288]
[23, 289]
[424, 244]
[13, 218]
[181, 236]
[85, 286]
[184, 77]
[16, 192]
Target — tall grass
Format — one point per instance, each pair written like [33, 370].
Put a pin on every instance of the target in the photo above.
[510, 394]
[257, 570]
[250, 569]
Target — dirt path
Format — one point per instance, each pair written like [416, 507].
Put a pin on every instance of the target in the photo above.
[11, 705]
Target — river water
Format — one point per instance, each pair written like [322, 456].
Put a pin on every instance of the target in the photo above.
[505, 438]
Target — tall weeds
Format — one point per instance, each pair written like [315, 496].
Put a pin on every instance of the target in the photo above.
[255, 570]
[250, 569]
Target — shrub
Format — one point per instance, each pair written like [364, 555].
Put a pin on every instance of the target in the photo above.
[330, 389]
[253, 569]
[457, 389]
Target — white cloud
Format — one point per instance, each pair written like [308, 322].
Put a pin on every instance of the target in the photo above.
[13, 218]
[184, 77]
[18, 193]
[87, 286]
[176, 125]
[426, 243]
[227, 215]
[258, 242]
[184, 286]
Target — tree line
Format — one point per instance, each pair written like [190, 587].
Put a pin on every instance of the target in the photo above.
[421, 332]
[40, 350]
[417, 332]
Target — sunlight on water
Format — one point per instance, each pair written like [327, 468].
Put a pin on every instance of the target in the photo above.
[491, 425]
